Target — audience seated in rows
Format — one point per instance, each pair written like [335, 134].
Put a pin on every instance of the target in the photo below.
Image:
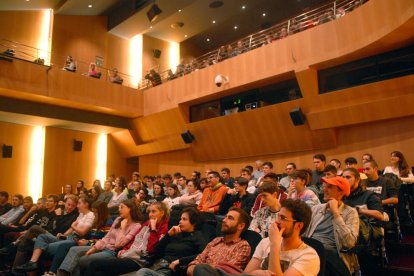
[346, 231]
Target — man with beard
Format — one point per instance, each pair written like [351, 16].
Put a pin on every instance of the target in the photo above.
[229, 250]
[284, 251]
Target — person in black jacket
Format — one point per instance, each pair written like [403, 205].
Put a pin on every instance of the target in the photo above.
[178, 247]
[237, 197]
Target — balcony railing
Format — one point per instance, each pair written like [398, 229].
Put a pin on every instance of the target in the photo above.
[301, 22]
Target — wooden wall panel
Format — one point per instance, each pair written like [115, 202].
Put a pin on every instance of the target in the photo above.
[117, 55]
[116, 163]
[63, 165]
[381, 25]
[21, 26]
[158, 125]
[148, 60]
[379, 138]
[255, 132]
[15, 170]
[82, 37]
[29, 81]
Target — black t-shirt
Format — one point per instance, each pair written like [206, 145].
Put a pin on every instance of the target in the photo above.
[367, 199]
[383, 187]
[5, 208]
[60, 224]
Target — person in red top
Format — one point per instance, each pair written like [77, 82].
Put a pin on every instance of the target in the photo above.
[229, 251]
[213, 194]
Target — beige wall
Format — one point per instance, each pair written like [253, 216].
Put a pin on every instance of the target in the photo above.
[379, 139]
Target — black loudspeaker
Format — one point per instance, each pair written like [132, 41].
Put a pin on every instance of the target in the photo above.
[77, 145]
[297, 116]
[187, 137]
[156, 53]
[153, 12]
[7, 151]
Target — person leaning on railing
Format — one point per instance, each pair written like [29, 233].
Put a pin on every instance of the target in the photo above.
[70, 64]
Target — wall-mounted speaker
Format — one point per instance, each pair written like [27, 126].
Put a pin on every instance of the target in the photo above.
[153, 12]
[156, 53]
[77, 145]
[297, 116]
[7, 151]
[188, 138]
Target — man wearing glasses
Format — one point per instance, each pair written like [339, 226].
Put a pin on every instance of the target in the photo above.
[213, 194]
[336, 226]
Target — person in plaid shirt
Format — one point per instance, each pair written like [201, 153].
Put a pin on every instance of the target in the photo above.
[227, 251]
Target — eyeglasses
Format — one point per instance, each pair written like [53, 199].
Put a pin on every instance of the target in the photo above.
[283, 218]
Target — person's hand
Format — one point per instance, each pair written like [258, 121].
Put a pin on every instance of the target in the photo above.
[58, 212]
[333, 206]
[90, 251]
[275, 235]
[33, 209]
[120, 253]
[174, 230]
[153, 223]
[231, 191]
[291, 189]
[82, 242]
[174, 264]
[124, 224]
[58, 235]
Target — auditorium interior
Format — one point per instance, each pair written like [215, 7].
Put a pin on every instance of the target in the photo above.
[342, 86]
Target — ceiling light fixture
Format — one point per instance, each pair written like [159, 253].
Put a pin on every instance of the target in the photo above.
[150, 27]
[185, 35]
[214, 21]
[264, 14]
[89, 6]
[179, 10]
[243, 7]
[235, 27]
[208, 39]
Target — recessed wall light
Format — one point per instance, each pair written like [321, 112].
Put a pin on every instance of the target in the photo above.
[235, 27]
[214, 21]
[89, 6]
[264, 14]
[243, 7]
[208, 39]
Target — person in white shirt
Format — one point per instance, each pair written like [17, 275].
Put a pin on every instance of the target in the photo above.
[173, 196]
[284, 252]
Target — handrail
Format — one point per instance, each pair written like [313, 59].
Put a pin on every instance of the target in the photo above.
[301, 22]
[31, 53]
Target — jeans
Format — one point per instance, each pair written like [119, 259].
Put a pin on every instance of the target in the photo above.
[71, 262]
[58, 251]
[87, 263]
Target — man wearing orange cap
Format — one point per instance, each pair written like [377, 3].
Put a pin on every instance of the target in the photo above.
[336, 226]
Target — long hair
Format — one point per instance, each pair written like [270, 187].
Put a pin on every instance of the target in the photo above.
[101, 215]
[402, 164]
[134, 211]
